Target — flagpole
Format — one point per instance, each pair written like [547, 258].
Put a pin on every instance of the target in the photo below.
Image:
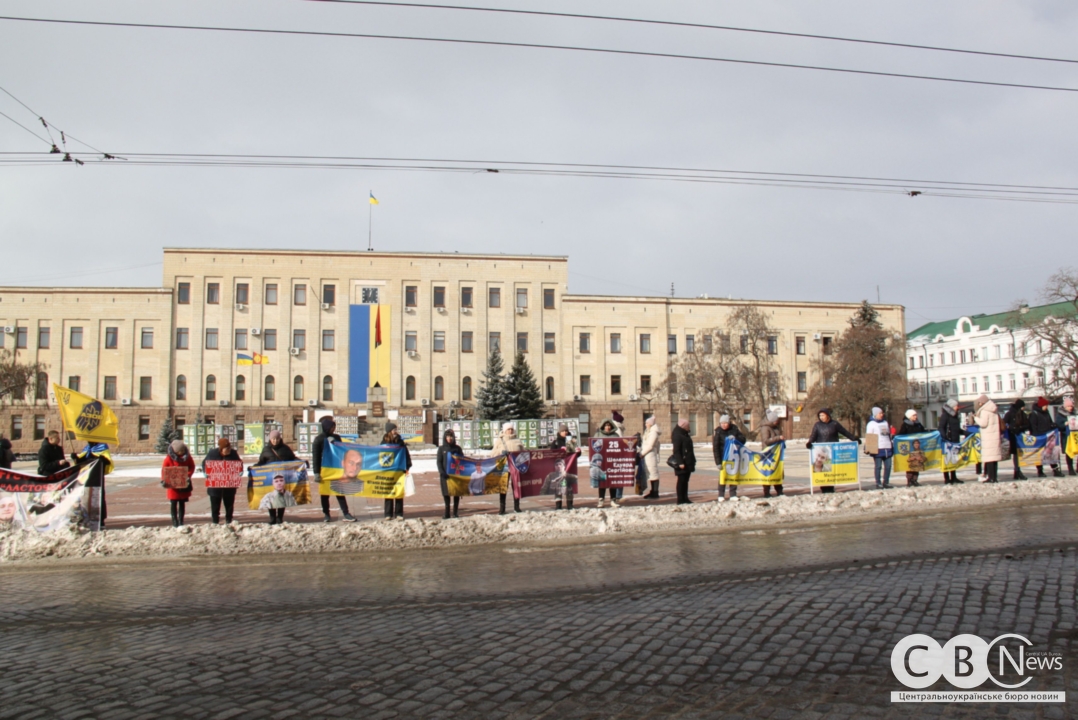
[370, 221]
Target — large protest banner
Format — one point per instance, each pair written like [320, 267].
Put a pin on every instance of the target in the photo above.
[477, 476]
[278, 485]
[1038, 449]
[918, 453]
[834, 464]
[51, 502]
[613, 462]
[363, 470]
[741, 466]
[544, 472]
[224, 473]
[961, 454]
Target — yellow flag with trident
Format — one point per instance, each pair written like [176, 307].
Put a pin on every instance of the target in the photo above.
[90, 420]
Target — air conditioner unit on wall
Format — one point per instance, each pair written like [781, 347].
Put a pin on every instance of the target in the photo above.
[634, 398]
[816, 336]
[521, 311]
[241, 306]
[425, 402]
[465, 310]
[256, 331]
[223, 403]
[294, 352]
[412, 354]
[441, 309]
[312, 403]
[326, 306]
[125, 401]
[683, 396]
[578, 398]
[9, 329]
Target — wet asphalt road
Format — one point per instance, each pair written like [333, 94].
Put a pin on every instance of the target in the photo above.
[791, 622]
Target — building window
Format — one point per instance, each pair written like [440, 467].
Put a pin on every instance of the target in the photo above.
[76, 338]
[329, 295]
[645, 343]
[962, 355]
[692, 424]
[181, 387]
[299, 339]
[999, 383]
[585, 342]
[411, 296]
[615, 343]
[241, 388]
[16, 427]
[522, 297]
[211, 387]
[615, 384]
[550, 389]
[494, 341]
[772, 344]
[645, 384]
[181, 338]
[269, 340]
[297, 387]
[548, 298]
[213, 293]
[271, 294]
[466, 388]
[802, 382]
[466, 297]
[211, 338]
[439, 296]
[299, 294]
[329, 340]
[439, 341]
[585, 384]
[147, 338]
[241, 339]
[522, 342]
[744, 347]
[144, 427]
[271, 388]
[241, 293]
[973, 385]
[466, 341]
[953, 357]
[707, 343]
[965, 386]
[183, 294]
[327, 388]
[827, 346]
[112, 338]
[409, 388]
[439, 388]
[494, 297]
[799, 344]
[145, 388]
[41, 391]
[549, 345]
[110, 387]
[20, 337]
[39, 427]
[671, 385]
[1013, 385]
[671, 344]
[44, 335]
[74, 382]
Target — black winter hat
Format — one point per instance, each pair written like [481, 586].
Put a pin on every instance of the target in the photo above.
[390, 427]
[327, 424]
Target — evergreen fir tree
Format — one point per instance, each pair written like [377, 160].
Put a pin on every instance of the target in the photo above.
[166, 436]
[523, 390]
[492, 399]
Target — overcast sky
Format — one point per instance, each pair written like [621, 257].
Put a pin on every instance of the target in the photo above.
[141, 90]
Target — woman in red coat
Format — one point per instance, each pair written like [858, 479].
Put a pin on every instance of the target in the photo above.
[178, 497]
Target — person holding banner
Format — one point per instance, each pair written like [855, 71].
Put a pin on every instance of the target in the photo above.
[725, 429]
[395, 508]
[564, 440]
[6, 455]
[1017, 422]
[218, 495]
[506, 443]
[1066, 422]
[317, 450]
[1040, 423]
[650, 453]
[770, 435]
[683, 458]
[828, 430]
[911, 425]
[986, 415]
[879, 427]
[50, 456]
[178, 456]
[275, 450]
[448, 448]
[610, 428]
[951, 430]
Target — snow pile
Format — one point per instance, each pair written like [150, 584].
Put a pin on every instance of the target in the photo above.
[304, 538]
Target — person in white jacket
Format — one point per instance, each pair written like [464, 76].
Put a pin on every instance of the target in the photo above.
[650, 453]
[879, 426]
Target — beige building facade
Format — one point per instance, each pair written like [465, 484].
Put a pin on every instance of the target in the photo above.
[328, 325]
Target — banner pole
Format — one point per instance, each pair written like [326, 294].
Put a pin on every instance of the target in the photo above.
[370, 223]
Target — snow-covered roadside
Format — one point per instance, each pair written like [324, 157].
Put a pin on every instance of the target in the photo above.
[208, 540]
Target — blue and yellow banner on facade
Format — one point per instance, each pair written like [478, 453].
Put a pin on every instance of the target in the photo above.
[363, 470]
[278, 485]
[474, 476]
[1038, 449]
[741, 466]
[834, 464]
[369, 355]
[918, 453]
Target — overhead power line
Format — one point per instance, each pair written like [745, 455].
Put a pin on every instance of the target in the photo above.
[63, 135]
[543, 46]
[703, 26]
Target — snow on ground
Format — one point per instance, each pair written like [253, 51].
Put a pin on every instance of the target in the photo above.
[528, 527]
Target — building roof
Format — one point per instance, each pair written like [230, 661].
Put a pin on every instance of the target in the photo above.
[1009, 319]
[361, 253]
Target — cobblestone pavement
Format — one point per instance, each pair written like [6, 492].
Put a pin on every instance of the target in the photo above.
[325, 639]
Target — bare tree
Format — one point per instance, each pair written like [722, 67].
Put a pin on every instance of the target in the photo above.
[19, 378]
[1056, 331]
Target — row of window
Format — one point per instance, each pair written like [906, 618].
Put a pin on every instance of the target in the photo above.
[494, 297]
[269, 339]
[269, 388]
[996, 352]
[44, 338]
[243, 293]
[973, 387]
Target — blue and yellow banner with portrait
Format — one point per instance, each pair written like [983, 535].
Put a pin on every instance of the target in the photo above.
[741, 466]
[474, 476]
[363, 470]
[1036, 450]
[833, 464]
[278, 485]
[962, 454]
[919, 452]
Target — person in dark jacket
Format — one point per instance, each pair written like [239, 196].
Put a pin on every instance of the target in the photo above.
[564, 440]
[448, 448]
[725, 429]
[317, 448]
[223, 451]
[1064, 417]
[275, 450]
[828, 430]
[1017, 422]
[1040, 423]
[610, 428]
[771, 435]
[50, 456]
[911, 425]
[7, 457]
[951, 430]
[684, 459]
[394, 508]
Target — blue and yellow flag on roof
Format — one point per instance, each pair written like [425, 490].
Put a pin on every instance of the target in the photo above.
[363, 470]
[741, 466]
[90, 420]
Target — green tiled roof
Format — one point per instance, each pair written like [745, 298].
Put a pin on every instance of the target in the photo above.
[1004, 319]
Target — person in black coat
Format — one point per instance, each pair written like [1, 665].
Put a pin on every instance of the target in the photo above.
[684, 459]
[725, 429]
[1017, 422]
[50, 456]
[1040, 423]
[394, 508]
[218, 495]
[275, 450]
[7, 457]
[317, 448]
[911, 425]
[951, 430]
[447, 448]
[828, 430]
[1063, 418]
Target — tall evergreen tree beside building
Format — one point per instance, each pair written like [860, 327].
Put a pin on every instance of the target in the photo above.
[492, 399]
[166, 436]
[524, 395]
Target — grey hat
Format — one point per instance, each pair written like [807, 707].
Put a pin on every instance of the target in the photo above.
[953, 404]
[390, 426]
[876, 411]
[770, 416]
[724, 419]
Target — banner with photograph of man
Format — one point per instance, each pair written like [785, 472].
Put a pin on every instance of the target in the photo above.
[962, 454]
[741, 466]
[477, 476]
[65, 499]
[377, 471]
[919, 452]
[544, 472]
[612, 462]
[1038, 449]
[278, 485]
[834, 464]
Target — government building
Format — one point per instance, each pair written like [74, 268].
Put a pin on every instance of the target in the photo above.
[237, 336]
